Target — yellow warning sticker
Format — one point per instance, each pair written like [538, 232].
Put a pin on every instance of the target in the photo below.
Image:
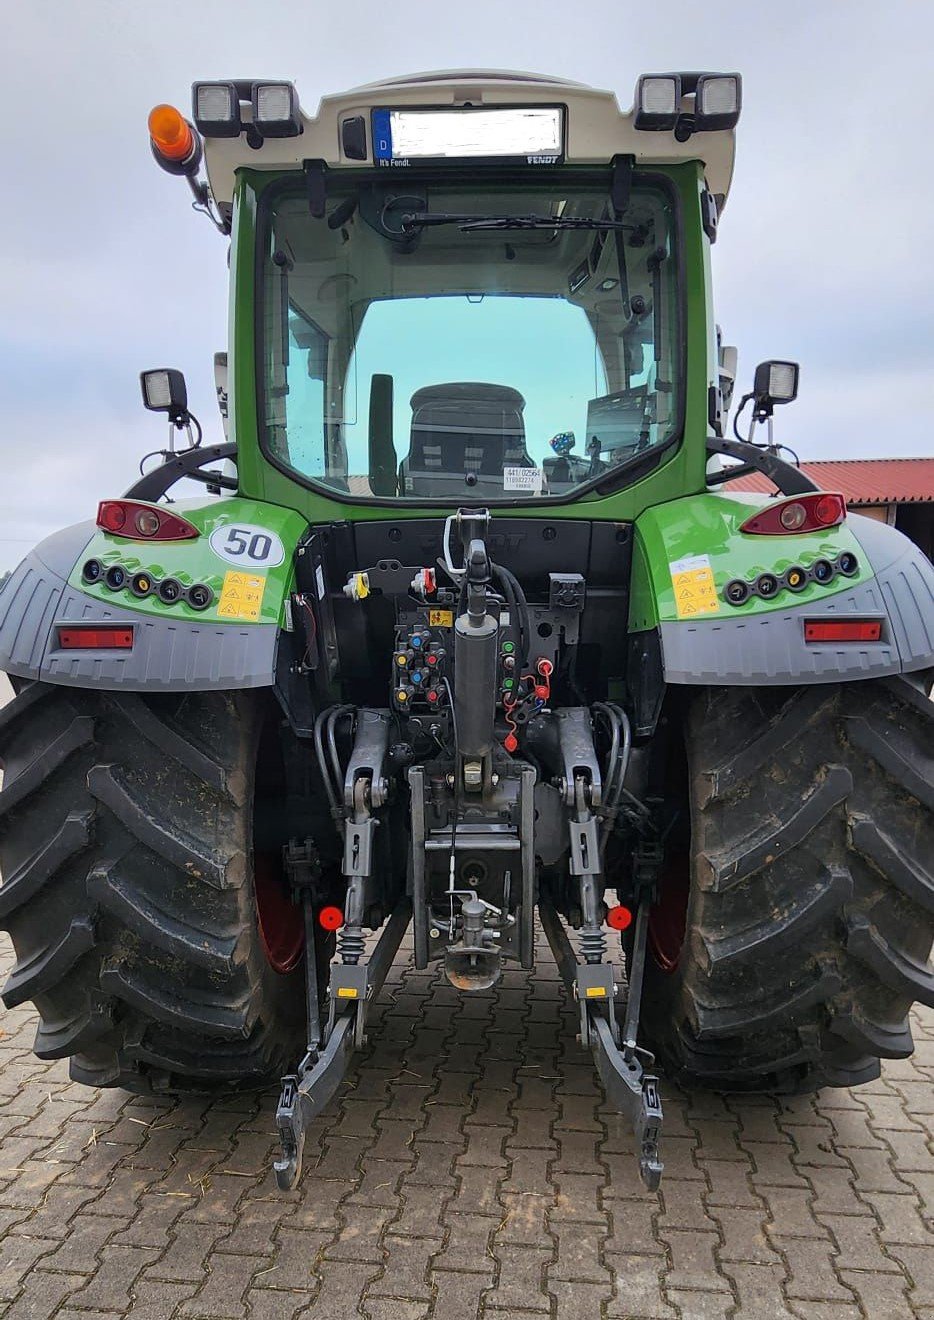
[695, 592]
[241, 596]
[441, 618]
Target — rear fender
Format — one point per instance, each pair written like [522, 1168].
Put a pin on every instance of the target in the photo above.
[244, 554]
[687, 551]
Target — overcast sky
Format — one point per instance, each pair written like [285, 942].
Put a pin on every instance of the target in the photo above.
[825, 255]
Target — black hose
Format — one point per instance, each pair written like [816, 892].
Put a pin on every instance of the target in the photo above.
[515, 596]
[617, 764]
[322, 759]
[330, 769]
[332, 749]
[600, 708]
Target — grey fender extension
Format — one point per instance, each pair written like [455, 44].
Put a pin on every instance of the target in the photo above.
[168, 654]
[770, 648]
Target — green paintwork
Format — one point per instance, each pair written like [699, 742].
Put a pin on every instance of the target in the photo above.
[682, 472]
[709, 524]
[194, 561]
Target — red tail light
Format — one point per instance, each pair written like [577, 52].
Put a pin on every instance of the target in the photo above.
[803, 513]
[842, 630]
[102, 637]
[143, 522]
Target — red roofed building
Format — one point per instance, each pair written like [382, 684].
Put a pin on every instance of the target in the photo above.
[899, 491]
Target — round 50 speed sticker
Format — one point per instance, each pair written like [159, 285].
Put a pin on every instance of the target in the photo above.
[242, 543]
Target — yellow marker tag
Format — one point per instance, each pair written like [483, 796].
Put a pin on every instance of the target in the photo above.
[346, 992]
[241, 596]
[596, 992]
[695, 592]
[441, 618]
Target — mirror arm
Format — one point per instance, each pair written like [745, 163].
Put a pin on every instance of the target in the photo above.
[789, 479]
[154, 484]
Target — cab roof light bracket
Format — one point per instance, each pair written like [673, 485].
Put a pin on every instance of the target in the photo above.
[715, 103]
[178, 149]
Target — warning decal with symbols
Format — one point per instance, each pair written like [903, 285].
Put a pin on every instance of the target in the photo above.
[695, 592]
[242, 595]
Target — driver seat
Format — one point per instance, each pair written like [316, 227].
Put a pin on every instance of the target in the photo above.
[463, 434]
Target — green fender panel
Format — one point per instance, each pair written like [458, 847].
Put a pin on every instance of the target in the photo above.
[243, 554]
[687, 551]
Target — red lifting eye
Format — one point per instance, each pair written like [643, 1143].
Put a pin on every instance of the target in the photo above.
[619, 917]
[330, 918]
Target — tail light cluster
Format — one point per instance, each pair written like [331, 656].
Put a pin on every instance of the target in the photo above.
[804, 513]
[768, 585]
[143, 522]
[116, 577]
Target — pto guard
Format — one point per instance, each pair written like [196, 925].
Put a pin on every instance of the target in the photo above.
[687, 551]
[243, 554]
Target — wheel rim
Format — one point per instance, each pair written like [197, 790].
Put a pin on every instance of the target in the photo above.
[281, 928]
[668, 918]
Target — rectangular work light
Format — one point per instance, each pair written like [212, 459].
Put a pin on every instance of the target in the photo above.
[216, 109]
[534, 134]
[776, 382]
[658, 101]
[718, 101]
[164, 390]
[276, 110]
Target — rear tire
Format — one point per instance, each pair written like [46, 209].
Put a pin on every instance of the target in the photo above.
[126, 850]
[805, 885]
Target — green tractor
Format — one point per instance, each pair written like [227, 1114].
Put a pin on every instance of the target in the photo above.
[469, 622]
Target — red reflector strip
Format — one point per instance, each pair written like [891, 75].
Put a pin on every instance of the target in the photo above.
[843, 630]
[95, 639]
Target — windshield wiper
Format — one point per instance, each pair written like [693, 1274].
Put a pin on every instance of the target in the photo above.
[420, 219]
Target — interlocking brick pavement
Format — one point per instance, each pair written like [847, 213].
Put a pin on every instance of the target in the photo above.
[468, 1168]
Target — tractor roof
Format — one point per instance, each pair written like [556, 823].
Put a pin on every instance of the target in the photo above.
[596, 129]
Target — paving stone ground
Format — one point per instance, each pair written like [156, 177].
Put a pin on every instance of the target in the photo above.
[468, 1168]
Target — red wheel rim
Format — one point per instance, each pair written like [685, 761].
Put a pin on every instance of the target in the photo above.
[668, 918]
[280, 922]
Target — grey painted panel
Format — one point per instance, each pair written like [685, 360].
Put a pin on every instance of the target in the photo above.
[29, 599]
[770, 648]
[906, 577]
[168, 654]
[27, 604]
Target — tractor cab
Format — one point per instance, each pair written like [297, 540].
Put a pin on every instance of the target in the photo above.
[469, 286]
